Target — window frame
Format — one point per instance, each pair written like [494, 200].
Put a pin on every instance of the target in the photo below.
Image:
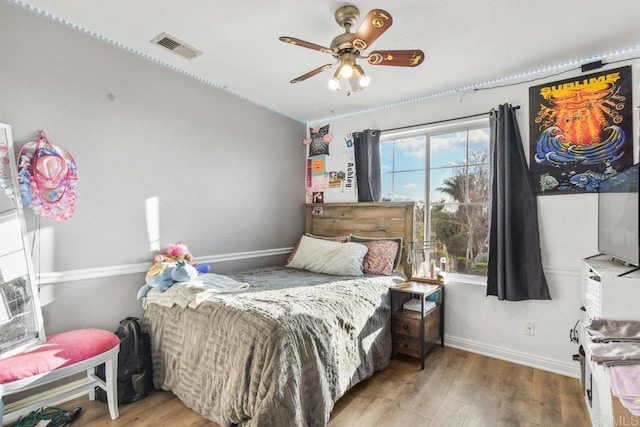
[430, 131]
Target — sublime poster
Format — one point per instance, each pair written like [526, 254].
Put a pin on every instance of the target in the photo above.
[581, 131]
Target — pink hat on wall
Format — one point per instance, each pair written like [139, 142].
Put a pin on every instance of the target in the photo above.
[47, 177]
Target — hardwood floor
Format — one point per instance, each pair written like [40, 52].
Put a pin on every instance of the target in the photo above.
[456, 388]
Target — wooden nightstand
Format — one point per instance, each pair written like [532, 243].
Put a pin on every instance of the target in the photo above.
[414, 333]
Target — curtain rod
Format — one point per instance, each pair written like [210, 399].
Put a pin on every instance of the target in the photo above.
[517, 107]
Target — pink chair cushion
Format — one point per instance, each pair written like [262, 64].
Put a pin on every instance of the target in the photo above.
[60, 350]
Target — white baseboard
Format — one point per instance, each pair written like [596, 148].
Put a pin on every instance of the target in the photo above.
[567, 368]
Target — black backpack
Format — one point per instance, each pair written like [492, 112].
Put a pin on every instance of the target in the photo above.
[135, 379]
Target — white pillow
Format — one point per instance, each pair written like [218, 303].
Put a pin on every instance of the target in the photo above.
[323, 256]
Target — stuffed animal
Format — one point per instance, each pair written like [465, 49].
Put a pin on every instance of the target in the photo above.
[202, 268]
[173, 266]
[175, 252]
[163, 274]
[180, 252]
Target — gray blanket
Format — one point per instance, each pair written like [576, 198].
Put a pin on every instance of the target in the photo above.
[602, 330]
[280, 353]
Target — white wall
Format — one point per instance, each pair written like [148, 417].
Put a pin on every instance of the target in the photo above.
[226, 172]
[568, 225]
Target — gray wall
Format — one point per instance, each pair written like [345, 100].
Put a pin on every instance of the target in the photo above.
[228, 174]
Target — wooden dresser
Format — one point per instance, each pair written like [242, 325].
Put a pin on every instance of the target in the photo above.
[415, 332]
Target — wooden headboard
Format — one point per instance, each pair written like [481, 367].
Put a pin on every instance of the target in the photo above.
[377, 219]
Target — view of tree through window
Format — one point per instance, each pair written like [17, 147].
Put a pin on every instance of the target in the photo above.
[454, 167]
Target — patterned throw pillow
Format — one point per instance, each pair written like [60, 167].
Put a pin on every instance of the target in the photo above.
[380, 257]
[339, 239]
[399, 240]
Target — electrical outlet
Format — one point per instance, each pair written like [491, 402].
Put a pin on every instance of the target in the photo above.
[530, 328]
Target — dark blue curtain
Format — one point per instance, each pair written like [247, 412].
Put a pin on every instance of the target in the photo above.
[515, 263]
[366, 146]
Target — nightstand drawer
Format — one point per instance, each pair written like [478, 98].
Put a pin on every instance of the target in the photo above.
[406, 326]
[406, 345]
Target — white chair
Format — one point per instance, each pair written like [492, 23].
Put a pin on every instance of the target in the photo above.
[62, 355]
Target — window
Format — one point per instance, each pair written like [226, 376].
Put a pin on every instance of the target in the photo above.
[446, 169]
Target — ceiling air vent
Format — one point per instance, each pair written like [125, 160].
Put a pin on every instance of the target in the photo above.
[174, 45]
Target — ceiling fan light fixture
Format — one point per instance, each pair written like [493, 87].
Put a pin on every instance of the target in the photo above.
[357, 84]
[346, 71]
[363, 79]
[334, 84]
[347, 64]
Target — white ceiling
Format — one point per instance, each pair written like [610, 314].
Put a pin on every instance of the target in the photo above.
[466, 42]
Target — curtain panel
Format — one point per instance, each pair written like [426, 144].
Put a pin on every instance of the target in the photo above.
[368, 170]
[515, 263]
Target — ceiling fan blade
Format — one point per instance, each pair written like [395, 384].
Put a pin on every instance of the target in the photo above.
[375, 23]
[308, 45]
[312, 73]
[398, 58]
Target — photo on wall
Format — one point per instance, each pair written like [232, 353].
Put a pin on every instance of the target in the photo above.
[581, 131]
[318, 197]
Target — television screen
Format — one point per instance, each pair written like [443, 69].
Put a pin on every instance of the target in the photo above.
[618, 221]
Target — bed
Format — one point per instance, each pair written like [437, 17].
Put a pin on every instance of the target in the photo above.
[282, 350]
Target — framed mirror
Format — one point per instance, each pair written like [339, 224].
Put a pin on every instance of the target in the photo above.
[21, 324]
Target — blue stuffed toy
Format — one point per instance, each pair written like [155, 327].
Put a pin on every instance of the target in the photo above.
[163, 274]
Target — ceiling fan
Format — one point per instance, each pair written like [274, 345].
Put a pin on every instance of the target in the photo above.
[347, 47]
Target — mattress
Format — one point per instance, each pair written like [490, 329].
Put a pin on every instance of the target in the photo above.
[280, 352]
